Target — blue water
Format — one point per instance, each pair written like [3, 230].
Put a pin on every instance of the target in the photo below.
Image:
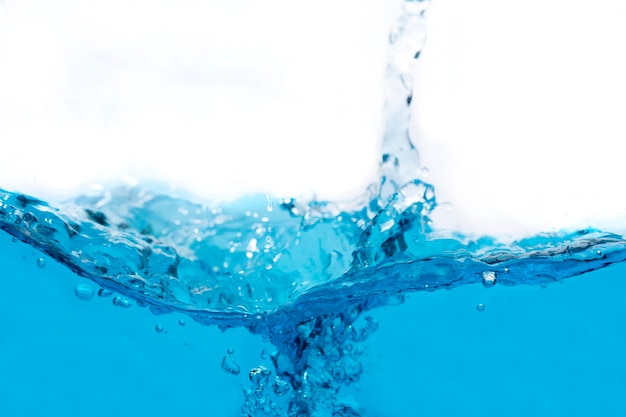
[138, 301]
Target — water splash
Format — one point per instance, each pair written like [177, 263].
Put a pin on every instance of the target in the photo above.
[300, 273]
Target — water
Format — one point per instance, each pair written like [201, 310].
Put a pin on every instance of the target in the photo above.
[314, 280]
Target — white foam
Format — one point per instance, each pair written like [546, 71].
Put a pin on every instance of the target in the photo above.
[220, 98]
[520, 114]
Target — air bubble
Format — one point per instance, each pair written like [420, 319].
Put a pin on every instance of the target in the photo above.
[489, 278]
[102, 292]
[84, 292]
[229, 364]
[480, 307]
[159, 328]
[14, 239]
[41, 263]
[181, 322]
[259, 375]
[280, 386]
[121, 302]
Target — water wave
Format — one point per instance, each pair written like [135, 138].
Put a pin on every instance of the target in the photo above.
[302, 274]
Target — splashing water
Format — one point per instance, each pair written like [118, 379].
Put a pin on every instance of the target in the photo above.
[301, 274]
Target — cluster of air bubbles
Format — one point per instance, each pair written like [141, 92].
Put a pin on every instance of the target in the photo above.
[262, 397]
[326, 355]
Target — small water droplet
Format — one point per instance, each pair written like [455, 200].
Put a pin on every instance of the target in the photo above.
[506, 270]
[14, 240]
[102, 292]
[84, 292]
[280, 386]
[230, 366]
[480, 307]
[181, 322]
[424, 172]
[598, 252]
[121, 302]
[159, 328]
[230, 351]
[41, 263]
[489, 278]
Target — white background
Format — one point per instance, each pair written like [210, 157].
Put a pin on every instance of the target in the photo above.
[519, 106]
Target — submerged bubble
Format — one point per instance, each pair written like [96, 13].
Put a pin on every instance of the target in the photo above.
[102, 292]
[259, 375]
[181, 322]
[14, 239]
[121, 302]
[41, 263]
[280, 386]
[159, 328]
[480, 307]
[84, 292]
[229, 364]
[489, 278]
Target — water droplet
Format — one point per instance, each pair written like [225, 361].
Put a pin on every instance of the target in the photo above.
[102, 292]
[84, 292]
[506, 270]
[159, 328]
[424, 172]
[280, 386]
[41, 263]
[230, 366]
[598, 252]
[14, 240]
[230, 351]
[480, 307]
[121, 302]
[181, 322]
[489, 278]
